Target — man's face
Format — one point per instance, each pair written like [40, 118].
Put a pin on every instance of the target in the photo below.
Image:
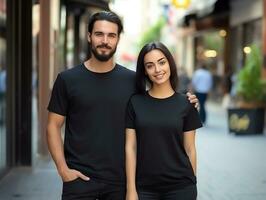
[103, 39]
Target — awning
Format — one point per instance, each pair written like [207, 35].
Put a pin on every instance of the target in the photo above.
[217, 18]
[103, 4]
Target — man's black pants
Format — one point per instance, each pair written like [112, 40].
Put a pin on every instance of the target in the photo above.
[92, 190]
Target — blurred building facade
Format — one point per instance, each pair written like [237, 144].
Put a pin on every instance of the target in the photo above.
[218, 37]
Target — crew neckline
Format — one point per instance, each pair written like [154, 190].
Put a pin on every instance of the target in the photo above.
[160, 99]
[100, 73]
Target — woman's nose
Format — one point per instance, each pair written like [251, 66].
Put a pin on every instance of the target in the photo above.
[157, 68]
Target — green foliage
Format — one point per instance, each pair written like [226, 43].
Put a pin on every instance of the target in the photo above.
[213, 41]
[153, 33]
[250, 85]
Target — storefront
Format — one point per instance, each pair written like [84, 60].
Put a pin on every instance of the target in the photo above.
[3, 65]
[246, 29]
[205, 42]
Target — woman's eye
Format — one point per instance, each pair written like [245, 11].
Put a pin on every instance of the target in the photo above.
[148, 66]
[162, 62]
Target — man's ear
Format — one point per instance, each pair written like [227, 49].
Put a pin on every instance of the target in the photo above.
[89, 37]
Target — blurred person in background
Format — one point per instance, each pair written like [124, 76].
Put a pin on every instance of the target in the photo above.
[183, 80]
[2, 94]
[160, 132]
[91, 99]
[202, 84]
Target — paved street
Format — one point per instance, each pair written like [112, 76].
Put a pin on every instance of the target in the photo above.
[229, 167]
[40, 183]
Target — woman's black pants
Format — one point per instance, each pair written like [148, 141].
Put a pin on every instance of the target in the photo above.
[186, 193]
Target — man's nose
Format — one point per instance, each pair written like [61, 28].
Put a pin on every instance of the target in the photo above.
[105, 39]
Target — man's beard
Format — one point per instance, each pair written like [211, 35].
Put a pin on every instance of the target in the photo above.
[102, 57]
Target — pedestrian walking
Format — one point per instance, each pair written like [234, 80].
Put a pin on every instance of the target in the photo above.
[2, 95]
[91, 99]
[202, 84]
[160, 132]
[184, 82]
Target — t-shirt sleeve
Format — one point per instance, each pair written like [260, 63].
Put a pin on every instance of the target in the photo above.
[130, 116]
[59, 98]
[192, 119]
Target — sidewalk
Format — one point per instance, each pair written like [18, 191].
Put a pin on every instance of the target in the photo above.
[229, 167]
[38, 183]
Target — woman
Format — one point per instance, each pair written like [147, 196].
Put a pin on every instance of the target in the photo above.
[160, 132]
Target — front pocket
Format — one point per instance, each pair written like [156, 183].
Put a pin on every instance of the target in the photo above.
[71, 187]
[69, 182]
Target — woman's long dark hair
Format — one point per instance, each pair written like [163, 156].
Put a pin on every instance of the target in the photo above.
[142, 79]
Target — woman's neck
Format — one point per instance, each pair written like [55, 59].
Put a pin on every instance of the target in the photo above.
[161, 91]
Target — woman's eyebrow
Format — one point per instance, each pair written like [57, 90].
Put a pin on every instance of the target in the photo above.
[160, 59]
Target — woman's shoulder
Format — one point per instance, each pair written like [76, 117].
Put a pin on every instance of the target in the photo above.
[137, 97]
[182, 99]
[186, 105]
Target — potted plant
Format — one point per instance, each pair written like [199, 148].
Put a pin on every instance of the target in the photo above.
[248, 115]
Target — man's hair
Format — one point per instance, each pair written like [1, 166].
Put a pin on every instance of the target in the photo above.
[142, 79]
[107, 16]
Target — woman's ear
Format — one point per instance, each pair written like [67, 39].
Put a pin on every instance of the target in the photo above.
[145, 72]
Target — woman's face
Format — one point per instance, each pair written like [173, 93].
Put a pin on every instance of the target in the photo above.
[157, 67]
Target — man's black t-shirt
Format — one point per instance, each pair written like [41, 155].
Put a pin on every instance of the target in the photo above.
[160, 125]
[94, 105]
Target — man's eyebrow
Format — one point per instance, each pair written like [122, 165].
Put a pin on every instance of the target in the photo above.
[98, 32]
[106, 33]
[112, 34]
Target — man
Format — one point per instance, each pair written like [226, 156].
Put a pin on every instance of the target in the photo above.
[202, 84]
[92, 98]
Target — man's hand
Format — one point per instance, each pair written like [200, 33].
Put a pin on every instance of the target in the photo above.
[68, 175]
[193, 99]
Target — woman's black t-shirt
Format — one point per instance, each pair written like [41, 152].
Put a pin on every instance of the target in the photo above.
[160, 125]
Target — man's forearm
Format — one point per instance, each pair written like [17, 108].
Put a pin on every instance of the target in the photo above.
[55, 146]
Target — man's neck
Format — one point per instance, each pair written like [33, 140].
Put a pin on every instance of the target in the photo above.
[98, 66]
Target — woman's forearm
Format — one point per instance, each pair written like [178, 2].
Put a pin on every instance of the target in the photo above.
[131, 169]
[131, 154]
[193, 159]
[190, 148]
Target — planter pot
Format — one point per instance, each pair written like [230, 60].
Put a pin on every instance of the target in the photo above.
[243, 121]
